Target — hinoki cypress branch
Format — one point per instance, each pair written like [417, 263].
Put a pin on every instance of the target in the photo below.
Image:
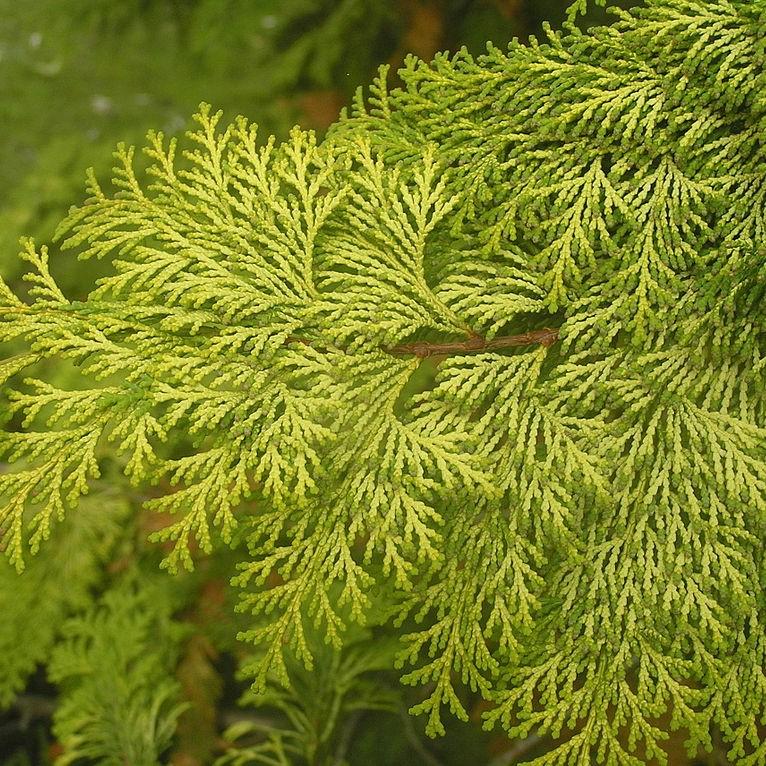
[577, 536]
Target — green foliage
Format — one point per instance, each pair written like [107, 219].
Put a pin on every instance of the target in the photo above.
[342, 352]
[318, 711]
[581, 7]
[291, 44]
[34, 604]
[119, 700]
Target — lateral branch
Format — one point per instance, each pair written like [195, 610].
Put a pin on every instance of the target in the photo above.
[422, 349]
[545, 337]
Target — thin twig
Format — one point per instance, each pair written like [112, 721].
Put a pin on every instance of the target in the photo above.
[546, 337]
[520, 748]
[422, 349]
[345, 738]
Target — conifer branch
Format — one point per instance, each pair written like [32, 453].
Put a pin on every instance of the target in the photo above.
[581, 543]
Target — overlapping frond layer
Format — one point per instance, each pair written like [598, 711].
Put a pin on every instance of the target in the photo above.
[115, 669]
[340, 333]
[34, 605]
[311, 713]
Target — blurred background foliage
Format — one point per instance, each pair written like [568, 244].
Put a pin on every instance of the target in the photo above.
[76, 77]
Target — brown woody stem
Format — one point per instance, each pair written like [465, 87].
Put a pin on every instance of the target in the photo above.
[422, 349]
[546, 337]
